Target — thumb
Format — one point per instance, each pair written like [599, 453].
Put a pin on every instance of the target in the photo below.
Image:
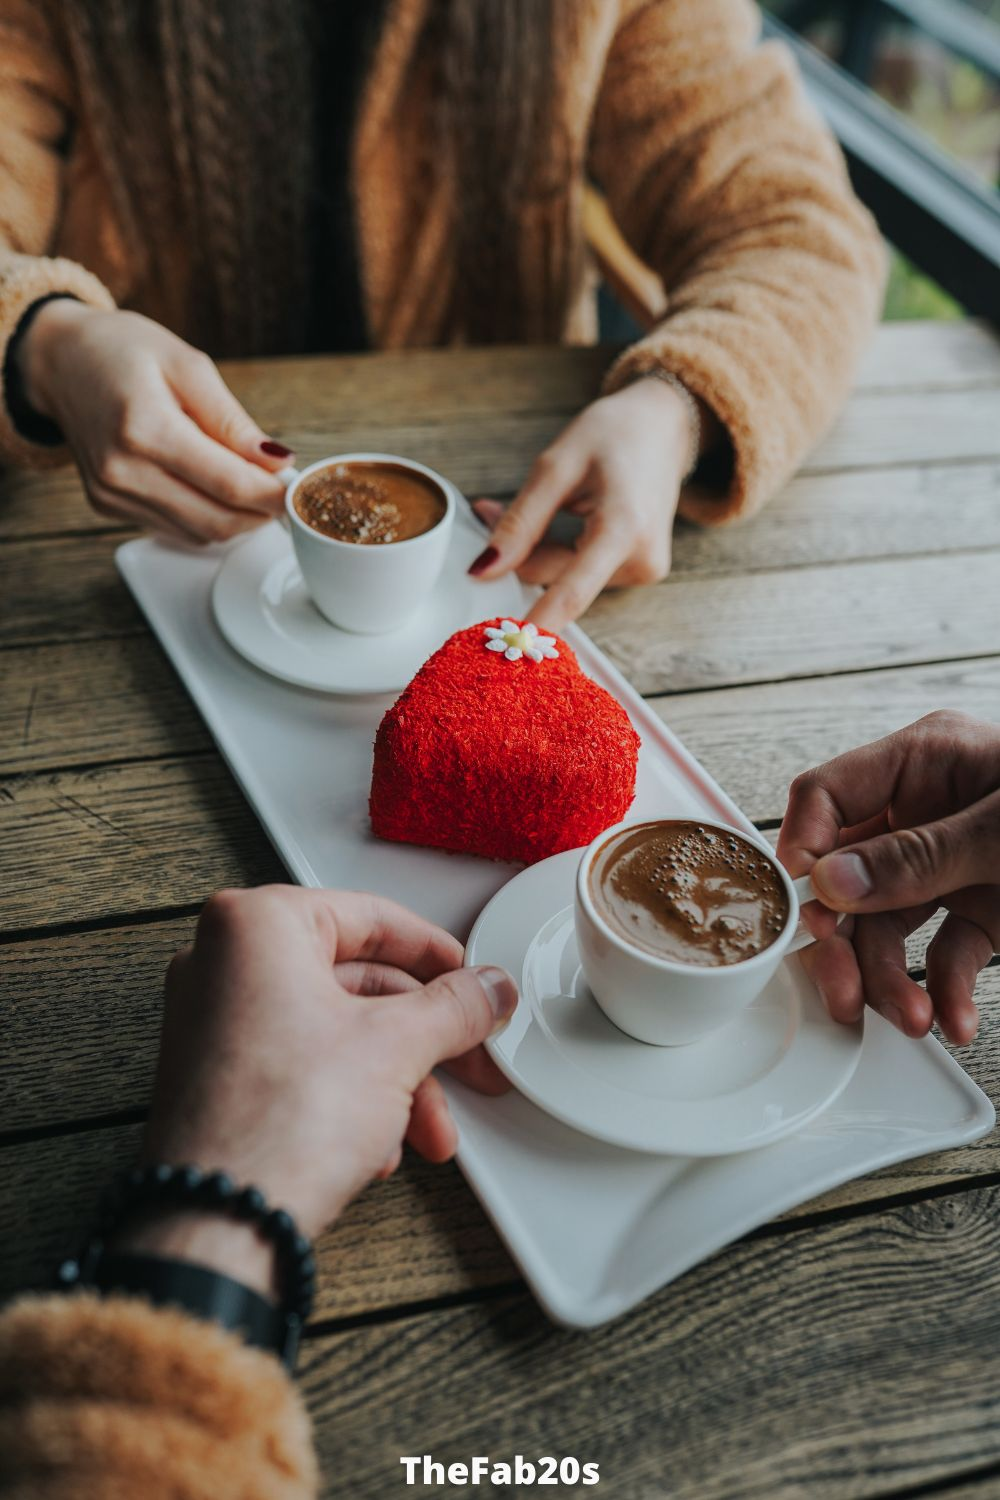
[207, 398]
[913, 865]
[452, 1014]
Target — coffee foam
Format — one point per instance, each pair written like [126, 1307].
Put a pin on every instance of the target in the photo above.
[689, 892]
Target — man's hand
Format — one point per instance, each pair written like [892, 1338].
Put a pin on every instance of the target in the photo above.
[889, 833]
[299, 1035]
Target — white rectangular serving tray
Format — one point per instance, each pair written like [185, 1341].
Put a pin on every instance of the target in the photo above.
[594, 1228]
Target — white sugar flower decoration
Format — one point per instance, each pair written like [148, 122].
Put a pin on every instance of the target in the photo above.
[516, 641]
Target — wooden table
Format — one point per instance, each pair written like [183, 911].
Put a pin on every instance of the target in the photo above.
[850, 1348]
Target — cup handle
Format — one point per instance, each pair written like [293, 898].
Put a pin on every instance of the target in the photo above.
[287, 476]
[803, 937]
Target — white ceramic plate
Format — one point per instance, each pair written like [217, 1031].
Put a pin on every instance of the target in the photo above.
[594, 1228]
[261, 606]
[777, 1065]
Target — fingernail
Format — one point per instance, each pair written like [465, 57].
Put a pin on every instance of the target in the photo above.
[483, 561]
[501, 992]
[275, 450]
[893, 1015]
[845, 877]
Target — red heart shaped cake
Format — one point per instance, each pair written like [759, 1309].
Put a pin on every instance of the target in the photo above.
[502, 746]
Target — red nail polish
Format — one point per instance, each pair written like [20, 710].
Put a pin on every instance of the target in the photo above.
[483, 561]
[275, 450]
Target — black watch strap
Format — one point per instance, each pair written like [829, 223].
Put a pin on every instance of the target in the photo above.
[205, 1293]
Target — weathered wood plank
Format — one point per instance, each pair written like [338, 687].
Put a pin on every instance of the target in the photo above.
[64, 589]
[817, 518]
[845, 517]
[81, 1021]
[706, 632]
[119, 699]
[89, 701]
[927, 355]
[755, 740]
[690, 632]
[325, 404]
[162, 820]
[902, 427]
[858, 1360]
[90, 844]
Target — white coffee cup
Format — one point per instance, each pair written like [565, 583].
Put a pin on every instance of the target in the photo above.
[374, 589]
[661, 1000]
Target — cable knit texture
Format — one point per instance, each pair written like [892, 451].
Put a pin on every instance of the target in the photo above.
[116, 1400]
[717, 169]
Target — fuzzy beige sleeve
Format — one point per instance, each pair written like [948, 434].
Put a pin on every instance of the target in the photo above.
[725, 181]
[35, 117]
[116, 1400]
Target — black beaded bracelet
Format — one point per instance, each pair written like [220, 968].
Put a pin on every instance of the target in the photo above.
[185, 1187]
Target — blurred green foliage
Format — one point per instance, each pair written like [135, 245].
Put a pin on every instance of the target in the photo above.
[911, 294]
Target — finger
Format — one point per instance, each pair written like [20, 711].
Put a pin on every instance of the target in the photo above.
[120, 507]
[177, 444]
[603, 550]
[880, 944]
[832, 966]
[357, 925]
[554, 478]
[359, 977]
[180, 505]
[959, 950]
[819, 919]
[450, 1016]
[179, 969]
[389, 1165]
[477, 1070]
[205, 396]
[869, 829]
[431, 1130]
[845, 791]
[489, 511]
[546, 564]
[914, 865]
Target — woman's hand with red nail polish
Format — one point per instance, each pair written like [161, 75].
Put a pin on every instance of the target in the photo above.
[160, 440]
[889, 833]
[618, 466]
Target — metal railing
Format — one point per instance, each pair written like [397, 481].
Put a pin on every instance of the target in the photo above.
[931, 207]
[961, 31]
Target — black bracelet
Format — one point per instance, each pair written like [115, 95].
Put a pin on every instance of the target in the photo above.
[28, 422]
[235, 1306]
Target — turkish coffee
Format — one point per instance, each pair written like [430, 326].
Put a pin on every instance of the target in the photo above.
[369, 504]
[689, 892]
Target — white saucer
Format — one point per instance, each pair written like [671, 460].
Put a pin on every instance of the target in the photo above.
[779, 1063]
[262, 608]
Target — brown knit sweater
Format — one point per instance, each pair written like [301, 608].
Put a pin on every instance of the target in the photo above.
[115, 1400]
[716, 168]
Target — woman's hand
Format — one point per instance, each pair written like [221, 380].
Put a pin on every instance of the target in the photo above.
[619, 465]
[915, 823]
[299, 1035]
[160, 439]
